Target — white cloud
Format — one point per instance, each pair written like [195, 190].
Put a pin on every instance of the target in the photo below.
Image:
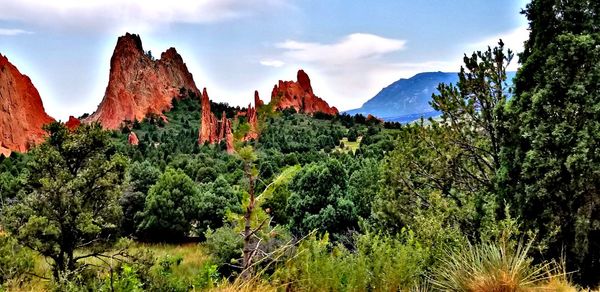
[103, 15]
[356, 46]
[13, 31]
[272, 63]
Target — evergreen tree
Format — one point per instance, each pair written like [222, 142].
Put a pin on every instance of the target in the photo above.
[70, 198]
[550, 158]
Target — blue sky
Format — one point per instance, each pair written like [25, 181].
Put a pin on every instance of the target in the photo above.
[350, 49]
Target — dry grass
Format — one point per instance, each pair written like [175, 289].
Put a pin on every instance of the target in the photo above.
[254, 285]
[192, 254]
[499, 267]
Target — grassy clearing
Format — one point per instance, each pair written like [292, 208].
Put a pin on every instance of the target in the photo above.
[348, 146]
[192, 254]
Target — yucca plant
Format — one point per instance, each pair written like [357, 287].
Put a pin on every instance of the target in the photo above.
[491, 266]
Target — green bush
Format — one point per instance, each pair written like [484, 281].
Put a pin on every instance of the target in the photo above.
[15, 261]
[170, 208]
[379, 263]
[225, 246]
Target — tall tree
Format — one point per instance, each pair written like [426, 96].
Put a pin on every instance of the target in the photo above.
[450, 163]
[70, 200]
[249, 158]
[469, 110]
[550, 158]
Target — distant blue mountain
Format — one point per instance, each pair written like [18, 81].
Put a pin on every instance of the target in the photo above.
[407, 100]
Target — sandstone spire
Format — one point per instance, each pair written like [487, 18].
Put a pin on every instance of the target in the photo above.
[211, 129]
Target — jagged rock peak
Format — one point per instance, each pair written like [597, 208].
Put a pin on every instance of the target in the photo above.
[299, 95]
[22, 113]
[304, 81]
[257, 101]
[139, 85]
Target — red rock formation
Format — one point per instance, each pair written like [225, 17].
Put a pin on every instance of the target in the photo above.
[72, 123]
[133, 139]
[299, 95]
[5, 151]
[22, 113]
[211, 129]
[208, 122]
[139, 85]
[257, 101]
[371, 117]
[253, 118]
[227, 133]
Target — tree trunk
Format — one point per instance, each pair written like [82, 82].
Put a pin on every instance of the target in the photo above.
[248, 250]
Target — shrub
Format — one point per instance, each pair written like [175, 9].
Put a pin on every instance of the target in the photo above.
[380, 263]
[170, 207]
[225, 246]
[15, 261]
[489, 266]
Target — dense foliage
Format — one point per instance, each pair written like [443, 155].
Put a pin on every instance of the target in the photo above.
[70, 197]
[496, 192]
[549, 153]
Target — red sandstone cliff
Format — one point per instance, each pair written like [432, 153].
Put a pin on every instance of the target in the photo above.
[299, 95]
[22, 113]
[139, 85]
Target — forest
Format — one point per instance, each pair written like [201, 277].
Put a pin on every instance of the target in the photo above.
[499, 193]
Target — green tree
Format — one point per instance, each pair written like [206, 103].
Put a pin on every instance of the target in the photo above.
[450, 164]
[352, 135]
[142, 176]
[70, 201]
[470, 112]
[213, 204]
[319, 200]
[363, 186]
[171, 207]
[550, 161]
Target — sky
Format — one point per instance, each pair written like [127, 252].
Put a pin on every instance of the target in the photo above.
[351, 49]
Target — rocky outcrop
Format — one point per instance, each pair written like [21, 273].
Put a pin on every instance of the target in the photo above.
[132, 139]
[371, 117]
[252, 117]
[299, 95]
[226, 133]
[5, 151]
[212, 130]
[208, 123]
[257, 101]
[72, 123]
[22, 113]
[139, 85]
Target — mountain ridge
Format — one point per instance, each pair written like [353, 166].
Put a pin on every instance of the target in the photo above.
[408, 99]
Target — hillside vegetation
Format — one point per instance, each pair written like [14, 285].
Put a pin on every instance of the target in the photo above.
[497, 194]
